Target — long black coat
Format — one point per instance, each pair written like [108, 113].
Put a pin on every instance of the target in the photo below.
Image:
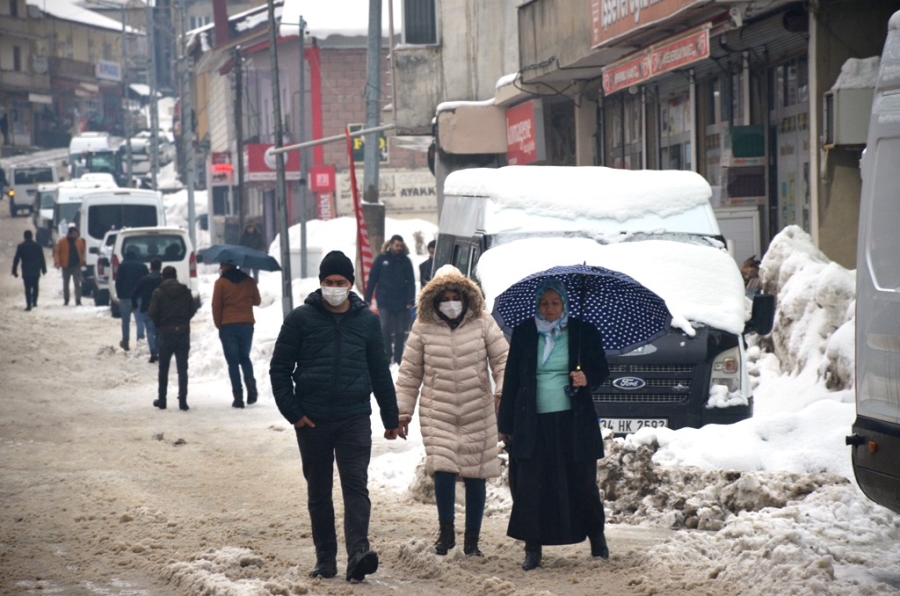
[326, 367]
[518, 406]
[31, 255]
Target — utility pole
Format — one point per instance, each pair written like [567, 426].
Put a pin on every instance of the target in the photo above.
[373, 210]
[287, 298]
[239, 131]
[154, 103]
[187, 121]
[125, 100]
[304, 166]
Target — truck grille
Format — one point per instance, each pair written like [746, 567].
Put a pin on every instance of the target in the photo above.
[639, 398]
[664, 384]
[651, 368]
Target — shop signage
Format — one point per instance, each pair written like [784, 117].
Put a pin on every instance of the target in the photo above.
[359, 145]
[612, 19]
[655, 60]
[109, 71]
[260, 162]
[220, 168]
[525, 133]
[321, 179]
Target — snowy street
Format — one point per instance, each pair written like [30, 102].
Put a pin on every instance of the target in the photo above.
[103, 494]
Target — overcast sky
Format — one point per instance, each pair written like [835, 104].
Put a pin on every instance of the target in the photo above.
[347, 17]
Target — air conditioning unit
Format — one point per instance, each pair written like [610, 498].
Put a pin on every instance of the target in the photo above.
[847, 116]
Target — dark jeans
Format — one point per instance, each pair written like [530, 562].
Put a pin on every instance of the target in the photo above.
[350, 443]
[236, 341]
[178, 344]
[73, 273]
[152, 334]
[31, 289]
[445, 495]
[394, 326]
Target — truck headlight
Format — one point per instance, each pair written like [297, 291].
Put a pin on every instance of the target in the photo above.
[726, 370]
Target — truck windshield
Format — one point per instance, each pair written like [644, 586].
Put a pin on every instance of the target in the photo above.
[102, 218]
[33, 175]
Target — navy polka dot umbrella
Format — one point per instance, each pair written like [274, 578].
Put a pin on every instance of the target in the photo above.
[627, 314]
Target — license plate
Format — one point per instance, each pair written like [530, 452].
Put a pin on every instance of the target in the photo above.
[632, 425]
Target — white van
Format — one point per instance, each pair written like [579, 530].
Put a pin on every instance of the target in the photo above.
[103, 210]
[42, 214]
[657, 227]
[85, 142]
[170, 245]
[67, 200]
[23, 181]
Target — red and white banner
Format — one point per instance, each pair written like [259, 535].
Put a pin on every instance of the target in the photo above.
[525, 133]
[659, 58]
[260, 162]
[363, 246]
[615, 19]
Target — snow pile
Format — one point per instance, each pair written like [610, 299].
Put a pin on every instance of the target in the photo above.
[858, 73]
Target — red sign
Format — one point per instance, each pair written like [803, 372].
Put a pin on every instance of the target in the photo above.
[612, 19]
[321, 179]
[261, 163]
[525, 133]
[220, 168]
[325, 205]
[655, 60]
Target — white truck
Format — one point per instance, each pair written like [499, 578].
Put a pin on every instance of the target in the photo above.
[655, 226]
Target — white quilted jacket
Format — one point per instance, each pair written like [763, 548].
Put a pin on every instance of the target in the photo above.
[450, 366]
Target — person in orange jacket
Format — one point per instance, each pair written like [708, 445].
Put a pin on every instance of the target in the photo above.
[69, 256]
[234, 295]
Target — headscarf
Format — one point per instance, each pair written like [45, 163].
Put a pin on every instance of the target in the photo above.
[550, 330]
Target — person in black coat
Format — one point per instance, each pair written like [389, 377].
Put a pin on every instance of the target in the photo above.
[31, 255]
[550, 428]
[426, 266]
[128, 273]
[142, 293]
[328, 359]
[171, 309]
[251, 238]
[393, 284]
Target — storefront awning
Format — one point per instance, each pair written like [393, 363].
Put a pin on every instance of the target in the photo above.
[40, 98]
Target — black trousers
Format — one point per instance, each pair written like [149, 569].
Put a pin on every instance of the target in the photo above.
[178, 344]
[349, 442]
[31, 289]
[394, 327]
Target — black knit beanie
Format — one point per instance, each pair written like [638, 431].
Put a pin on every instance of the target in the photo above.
[337, 263]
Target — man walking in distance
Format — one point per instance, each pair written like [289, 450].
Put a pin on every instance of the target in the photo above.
[31, 255]
[328, 358]
[70, 257]
[141, 295]
[171, 310]
[234, 295]
[130, 271]
[393, 283]
[426, 266]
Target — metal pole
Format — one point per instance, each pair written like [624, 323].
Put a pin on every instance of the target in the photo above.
[187, 125]
[304, 167]
[126, 101]
[334, 138]
[373, 210]
[239, 131]
[154, 103]
[287, 298]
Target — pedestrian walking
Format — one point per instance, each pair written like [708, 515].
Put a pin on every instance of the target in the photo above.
[128, 274]
[69, 256]
[171, 310]
[31, 255]
[427, 265]
[251, 238]
[393, 284]
[450, 346]
[234, 295]
[549, 426]
[328, 359]
[141, 296]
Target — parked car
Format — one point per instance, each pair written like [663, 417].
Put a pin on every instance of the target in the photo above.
[165, 145]
[23, 181]
[104, 268]
[169, 244]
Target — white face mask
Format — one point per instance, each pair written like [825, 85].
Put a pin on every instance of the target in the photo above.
[335, 296]
[451, 309]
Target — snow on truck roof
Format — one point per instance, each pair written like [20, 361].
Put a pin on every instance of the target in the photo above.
[590, 191]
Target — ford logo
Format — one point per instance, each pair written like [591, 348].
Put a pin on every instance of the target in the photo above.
[629, 383]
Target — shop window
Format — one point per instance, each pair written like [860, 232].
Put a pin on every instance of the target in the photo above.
[14, 8]
[419, 22]
[17, 59]
[197, 21]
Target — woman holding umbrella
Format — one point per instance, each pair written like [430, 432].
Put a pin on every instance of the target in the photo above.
[234, 295]
[450, 346]
[548, 423]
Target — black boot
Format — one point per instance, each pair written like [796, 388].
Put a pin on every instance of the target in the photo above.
[160, 403]
[598, 546]
[532, 556]
[238, 399]
[470, 544]
[446, 539]
[326, 565]
[252, 394]
[182, 404]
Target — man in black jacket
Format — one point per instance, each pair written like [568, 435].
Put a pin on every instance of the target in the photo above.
[128, 273]
[251, 238]
[393, 283]
[328, 358]
[31, 255]
[142, 293]
[426, 266]
[171, 310]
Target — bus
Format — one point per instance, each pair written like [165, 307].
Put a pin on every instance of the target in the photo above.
[875, 440]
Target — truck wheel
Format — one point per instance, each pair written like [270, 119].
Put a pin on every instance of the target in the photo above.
[101, 298]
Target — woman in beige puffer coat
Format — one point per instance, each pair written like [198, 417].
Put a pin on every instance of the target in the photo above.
[450, 346]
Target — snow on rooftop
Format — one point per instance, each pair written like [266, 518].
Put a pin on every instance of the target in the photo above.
[449, 106]
[858, 73]
[67, 10]
[593, 192]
